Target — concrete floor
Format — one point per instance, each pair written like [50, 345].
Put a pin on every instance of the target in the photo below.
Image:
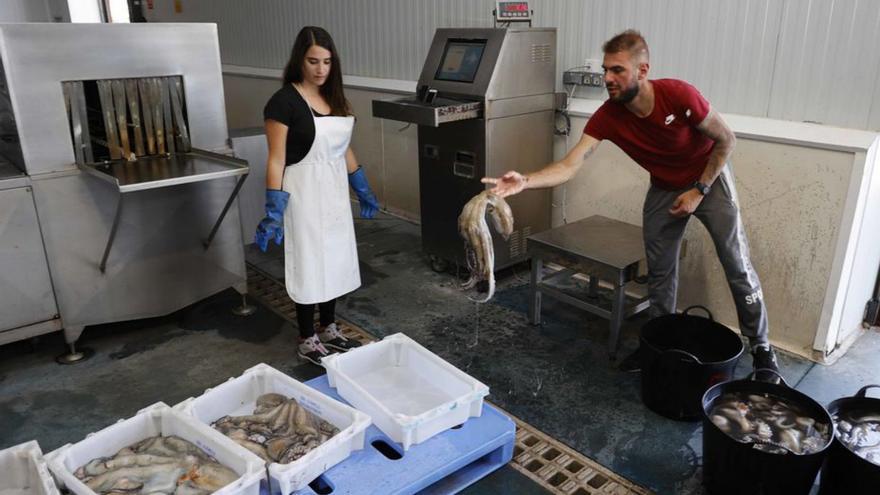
[556, 376]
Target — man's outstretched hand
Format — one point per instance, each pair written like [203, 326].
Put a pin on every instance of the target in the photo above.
[508, 184]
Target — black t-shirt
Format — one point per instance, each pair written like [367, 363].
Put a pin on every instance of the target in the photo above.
[288, 107]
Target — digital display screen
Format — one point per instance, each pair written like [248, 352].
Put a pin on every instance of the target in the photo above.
[514, 7]
[461, 59]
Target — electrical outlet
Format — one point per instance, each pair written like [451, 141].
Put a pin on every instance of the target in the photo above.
[576, 77]
[590, 74]
[582, 78]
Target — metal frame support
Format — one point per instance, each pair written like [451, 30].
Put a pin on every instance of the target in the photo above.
[207, 242]
[116, 216]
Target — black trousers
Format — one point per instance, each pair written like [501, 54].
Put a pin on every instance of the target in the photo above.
[305, 316]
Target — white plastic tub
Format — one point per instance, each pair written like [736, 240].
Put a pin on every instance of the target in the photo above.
[23, 471]
[238, 397]
[158, 419]
[411, 393]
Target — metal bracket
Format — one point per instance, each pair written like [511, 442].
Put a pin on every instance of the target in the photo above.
[103, 265]
[238, 185]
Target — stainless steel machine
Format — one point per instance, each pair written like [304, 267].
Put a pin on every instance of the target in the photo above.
[116, 175]
[484, 105]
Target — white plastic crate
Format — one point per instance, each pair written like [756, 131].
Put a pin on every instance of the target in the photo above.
[238, 397]
[23, 471]
[411, 393]
[158, 419]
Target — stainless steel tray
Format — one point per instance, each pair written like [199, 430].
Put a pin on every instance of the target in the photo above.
[150, 172]
[441, 111]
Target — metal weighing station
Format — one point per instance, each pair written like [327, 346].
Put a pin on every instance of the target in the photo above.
[485, 104]
[116, 175]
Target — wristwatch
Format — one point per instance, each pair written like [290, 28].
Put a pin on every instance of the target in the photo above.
[702, 188]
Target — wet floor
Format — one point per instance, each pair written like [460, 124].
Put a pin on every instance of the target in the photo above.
[556, 376]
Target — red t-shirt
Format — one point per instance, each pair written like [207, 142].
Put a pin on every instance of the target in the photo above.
[666, 143]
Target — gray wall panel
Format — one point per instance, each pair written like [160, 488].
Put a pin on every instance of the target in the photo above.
[827, 62]
[25, 11]
[874, 116]
[811, 60]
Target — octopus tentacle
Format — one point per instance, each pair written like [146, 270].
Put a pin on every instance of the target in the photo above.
[479, 247]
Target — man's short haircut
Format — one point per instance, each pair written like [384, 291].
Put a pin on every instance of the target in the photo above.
[628, 41]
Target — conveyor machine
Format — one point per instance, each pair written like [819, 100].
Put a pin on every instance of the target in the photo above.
[485, 104]
[116, 175]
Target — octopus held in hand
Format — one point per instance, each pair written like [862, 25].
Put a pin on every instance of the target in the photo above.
[479, 249]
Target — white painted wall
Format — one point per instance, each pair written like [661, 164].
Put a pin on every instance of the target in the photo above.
[800, 60]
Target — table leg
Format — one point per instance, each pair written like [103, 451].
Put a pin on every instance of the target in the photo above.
[535, 293]
[617, 311]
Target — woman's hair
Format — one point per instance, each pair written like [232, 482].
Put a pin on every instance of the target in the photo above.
[331, 90]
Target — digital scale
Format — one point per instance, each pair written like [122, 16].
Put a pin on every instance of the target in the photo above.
[512, 12]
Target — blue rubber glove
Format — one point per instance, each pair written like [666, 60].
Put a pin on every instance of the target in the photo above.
[272, 226]
[358, 182]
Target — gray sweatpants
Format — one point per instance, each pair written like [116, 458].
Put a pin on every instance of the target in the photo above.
[719, 213]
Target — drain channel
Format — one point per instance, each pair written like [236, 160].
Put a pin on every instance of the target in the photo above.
[555, 466]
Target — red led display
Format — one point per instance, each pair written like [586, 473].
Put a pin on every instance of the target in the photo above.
[515, 7]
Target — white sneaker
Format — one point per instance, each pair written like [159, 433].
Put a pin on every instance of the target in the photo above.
[331, 337]
[312, 350]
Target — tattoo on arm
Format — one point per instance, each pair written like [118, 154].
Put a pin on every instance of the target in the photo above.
[589, 152]
[714, 127]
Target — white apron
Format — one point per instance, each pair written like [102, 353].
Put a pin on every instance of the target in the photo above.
[320, 252]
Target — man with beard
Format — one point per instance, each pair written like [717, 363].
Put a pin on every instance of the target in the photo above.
[667, 127]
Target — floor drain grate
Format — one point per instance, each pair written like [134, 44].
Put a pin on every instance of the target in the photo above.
[550, 463]
[561, 469]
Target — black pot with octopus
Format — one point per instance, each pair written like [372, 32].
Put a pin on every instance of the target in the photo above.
[774, 460]
[845, 470]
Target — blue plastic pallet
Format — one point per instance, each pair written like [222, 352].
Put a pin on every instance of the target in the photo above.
[445, 463]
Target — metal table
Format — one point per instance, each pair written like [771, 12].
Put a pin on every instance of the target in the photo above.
[602, 249]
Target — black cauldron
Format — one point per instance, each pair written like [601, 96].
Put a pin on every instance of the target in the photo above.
[844, 471]
[734, 468]
[683, 355]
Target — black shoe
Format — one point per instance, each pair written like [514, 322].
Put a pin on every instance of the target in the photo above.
[332, 338]
[631, 363]
[765, 365]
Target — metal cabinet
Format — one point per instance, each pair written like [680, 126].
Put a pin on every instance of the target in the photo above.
[26, 296]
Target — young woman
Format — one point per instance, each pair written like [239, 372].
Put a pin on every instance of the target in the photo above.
[309, 169]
